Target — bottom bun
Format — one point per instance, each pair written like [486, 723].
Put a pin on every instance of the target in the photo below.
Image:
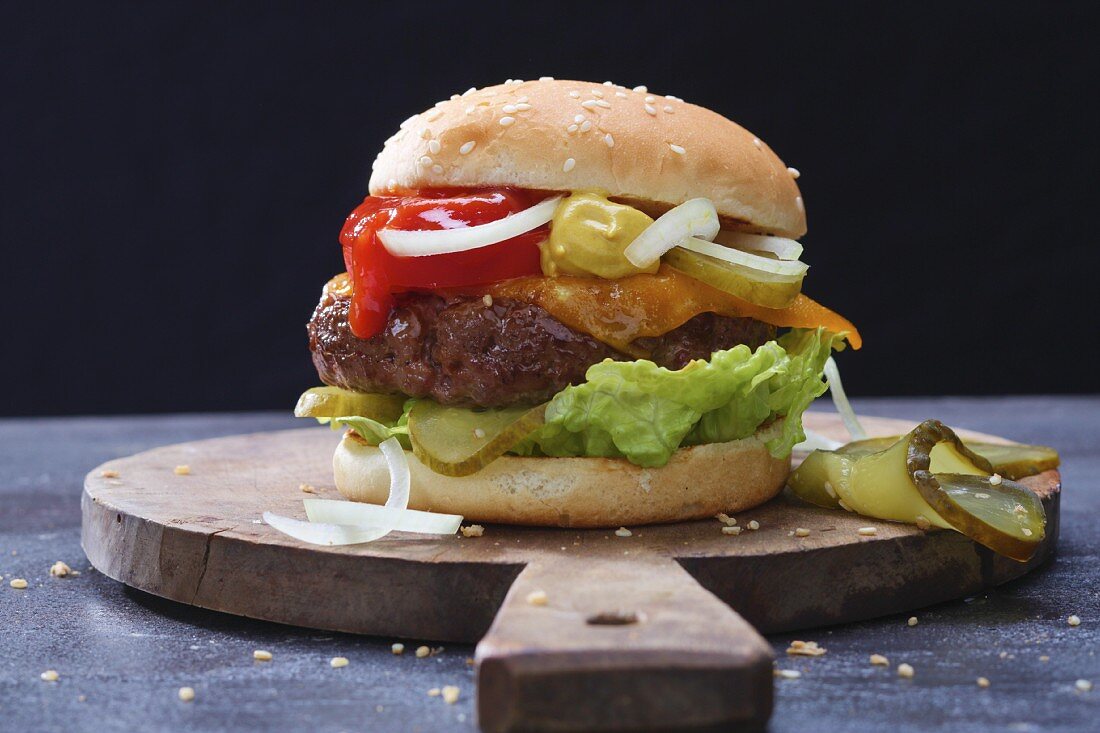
[698, 481]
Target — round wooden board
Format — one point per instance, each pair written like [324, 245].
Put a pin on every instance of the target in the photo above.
[685, 658]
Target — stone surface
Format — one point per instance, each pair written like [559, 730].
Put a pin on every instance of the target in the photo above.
[128, 653]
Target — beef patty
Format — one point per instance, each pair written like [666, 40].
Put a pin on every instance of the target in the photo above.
[464, 350]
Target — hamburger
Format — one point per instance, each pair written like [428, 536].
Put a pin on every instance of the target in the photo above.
[573, 304]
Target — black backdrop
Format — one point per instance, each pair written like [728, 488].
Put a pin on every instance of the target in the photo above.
[173, 177]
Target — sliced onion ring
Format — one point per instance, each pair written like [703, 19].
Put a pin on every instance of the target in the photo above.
[784, 249]
[694, 218]
[782, 268]
[445, 241]
[840, 400]
[320, 533]
[816, 441]
[330, 511]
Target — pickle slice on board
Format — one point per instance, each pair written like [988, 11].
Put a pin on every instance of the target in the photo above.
[761, 288]
[329, 402]
[1011, 460]
[931, 475]
[456, 441]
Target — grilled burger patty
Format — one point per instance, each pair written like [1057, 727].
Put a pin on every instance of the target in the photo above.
[464, 350]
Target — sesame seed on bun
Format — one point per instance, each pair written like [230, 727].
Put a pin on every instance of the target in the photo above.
[651, 151]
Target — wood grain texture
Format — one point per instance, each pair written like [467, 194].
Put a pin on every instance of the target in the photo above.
[688, 660]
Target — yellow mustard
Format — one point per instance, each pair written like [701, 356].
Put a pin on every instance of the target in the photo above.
[588, 235]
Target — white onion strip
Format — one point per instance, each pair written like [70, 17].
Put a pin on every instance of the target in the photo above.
[329, 511]
[694, 218]
[446, 241]
[320, 533]
[782, 268]
[784, 249]
[840, 400]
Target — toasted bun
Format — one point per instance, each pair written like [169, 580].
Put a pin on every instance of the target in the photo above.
[697, 482]
[650, 151]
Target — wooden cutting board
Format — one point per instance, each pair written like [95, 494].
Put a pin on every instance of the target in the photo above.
[656, 630]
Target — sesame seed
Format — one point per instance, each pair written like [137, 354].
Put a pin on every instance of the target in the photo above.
[623, 532]
[426, 134]
[523, 107]
[262, 655]
[578, 118]
[868, 531]
[575, 94]
[641, 89]
[794, 173]
[422, 651]
[473, 530]
[802, 532]
[397, 649]
[453, 98]
[995, 479]
[433, 147]
[338, 662]
[450, 694]
[18, 583]
[609, 140]
[788, 674]
[757, 143]
[409, 121]
[678, 149]
[466, 147]
[922, 522]
[522, 99]
[508, 108]
[596, 93]
[546, 78]
[425, 161]
[50, 675]
[650, 99]
[435, 114]
[109, 474]
[589, 104]
[437, 169]
[830, 490]
[669, 109]
[725, 519]
[487, 300]
[505, 121]
[1073, 620]
[603, 103]
[981, 495]
[1083, 685]
[469, 91]
[912, 621]
[731, 531]
[621, 95]
[183, 470]
[538, 598]
[905, 670]
[479, 433]
[798, 203]
[843, 506]
[572, 128]
[186, 694]
[983, 682]
[879, 661]
[1027, 532]
[754, 525]
[568, 165]
[650, 110]
[673, 97]
[434, 692]
[470, 109]
[60, 570]
[586, 125]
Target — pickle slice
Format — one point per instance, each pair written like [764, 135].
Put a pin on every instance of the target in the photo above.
[329, 402]
[929, 476]
[761, 288]
[1011, 460]
[456, 441]
[1017, 460]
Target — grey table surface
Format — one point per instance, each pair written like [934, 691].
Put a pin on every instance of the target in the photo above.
[123, 655]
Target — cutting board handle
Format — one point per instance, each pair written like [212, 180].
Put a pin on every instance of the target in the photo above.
[619, 644]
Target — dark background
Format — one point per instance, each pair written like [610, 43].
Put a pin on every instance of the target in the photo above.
[173, 177]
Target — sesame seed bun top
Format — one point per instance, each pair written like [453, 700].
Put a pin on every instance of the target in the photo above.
[648, 150]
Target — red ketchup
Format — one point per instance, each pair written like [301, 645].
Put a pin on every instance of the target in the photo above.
[376, 274]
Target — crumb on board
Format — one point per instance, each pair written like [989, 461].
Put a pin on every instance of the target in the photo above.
[912, 621]
[623, 532]
[307, 488]
[18, 583]
[538, 598]
[1074, 620]
[801, 532]
[50, 675]
[109, 473]
[450, 694]
[61, 570]
[338, 662]
[182, 470]
[734, 530]
[879, 661]
[788, 674]
[262, 655]
[906, 670]
[805, 649]
[983, 682]
[422, 651]
[397, 648]
[186, 694]
[472, 530]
